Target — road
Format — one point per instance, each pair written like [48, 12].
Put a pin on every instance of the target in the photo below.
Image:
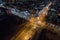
[31, 27]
